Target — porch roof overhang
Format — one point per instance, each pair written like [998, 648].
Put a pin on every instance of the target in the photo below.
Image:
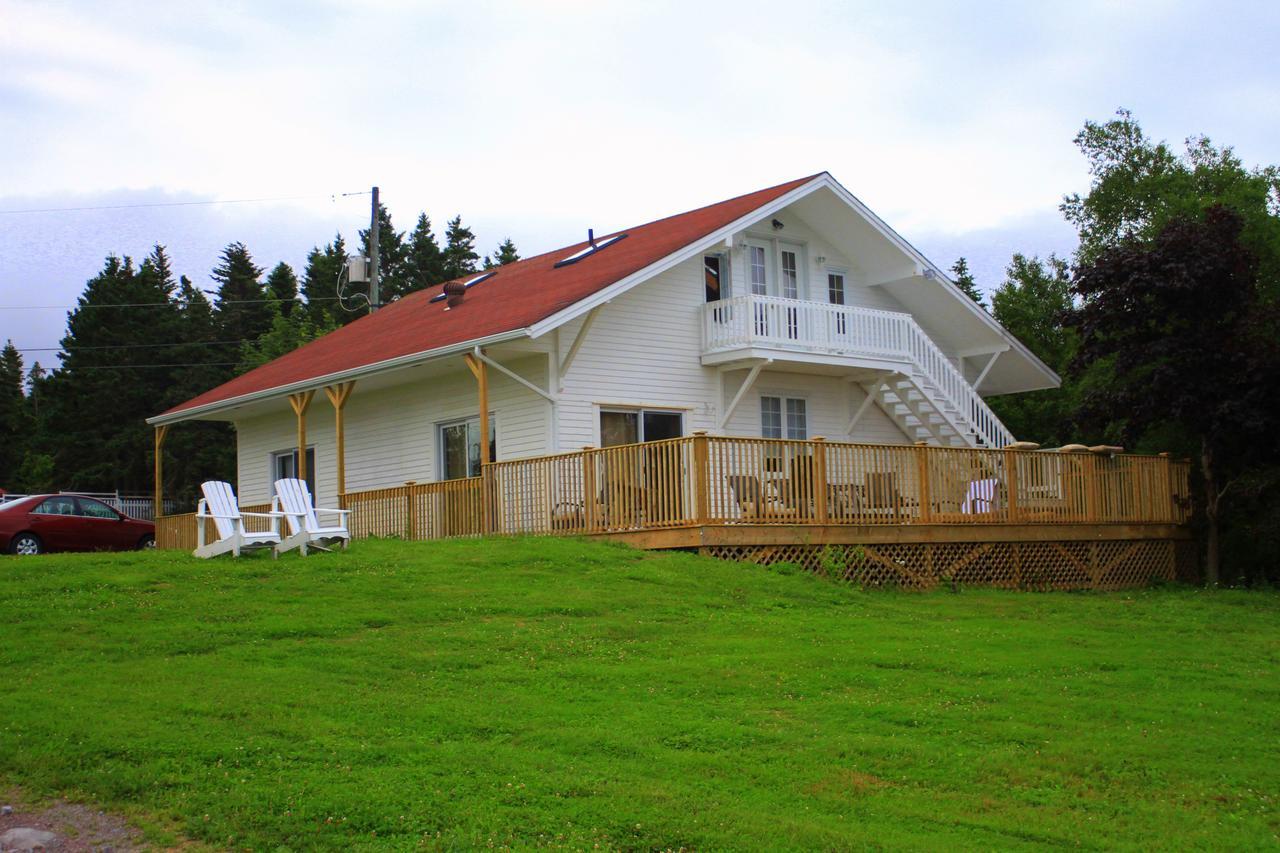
[228, 406]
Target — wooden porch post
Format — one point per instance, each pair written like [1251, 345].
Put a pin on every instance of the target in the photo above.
[482, 382]
[338, 395]
[922, 474]
[162, 431]
[300, 403]
[478, 369]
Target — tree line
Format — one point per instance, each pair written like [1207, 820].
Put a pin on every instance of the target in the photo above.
[1165, 329]
[1164, 326]
[140, 340]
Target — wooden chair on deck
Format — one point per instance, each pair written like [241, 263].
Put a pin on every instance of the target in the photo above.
[219, 504]
[753, 503]
[880, 495]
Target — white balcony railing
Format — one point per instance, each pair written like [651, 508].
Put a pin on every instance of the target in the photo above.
[795, 325]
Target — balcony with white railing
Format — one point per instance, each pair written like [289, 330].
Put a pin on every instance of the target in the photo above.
[753, 327]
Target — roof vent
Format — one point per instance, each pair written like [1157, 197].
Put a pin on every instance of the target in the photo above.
[454, 291]
[593, 246]
[461, 288]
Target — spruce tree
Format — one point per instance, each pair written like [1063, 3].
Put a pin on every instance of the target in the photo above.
[320, 284]
[460, 250]
[14, 432]
[964, 280]
[505, 254]
[424, 262]
[282, 286]
[114, 374]
[241, 306]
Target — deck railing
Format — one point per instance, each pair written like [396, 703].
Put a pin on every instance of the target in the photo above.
[713, 480]
[818, 327]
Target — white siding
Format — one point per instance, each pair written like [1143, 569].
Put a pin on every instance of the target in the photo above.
[391, 433]
[644, 349]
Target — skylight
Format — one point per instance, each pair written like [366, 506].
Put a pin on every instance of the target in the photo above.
[590, 250]
[484, 276]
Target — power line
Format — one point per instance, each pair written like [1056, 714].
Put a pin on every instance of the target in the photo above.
[159, 304]
[132, 346]
[334, 196]
[135, 366]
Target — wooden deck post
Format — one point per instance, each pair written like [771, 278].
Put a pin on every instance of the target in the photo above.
[701, 477]
[1166, 483]
[481, 374]
[1089, 463]
[338, 395]
[1011, 482]
[922, 473]
[410, 517]
[588, 488]
[300, 403]
[820, 478]
[157, 508]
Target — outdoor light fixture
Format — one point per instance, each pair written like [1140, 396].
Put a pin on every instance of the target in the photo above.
[777, 225]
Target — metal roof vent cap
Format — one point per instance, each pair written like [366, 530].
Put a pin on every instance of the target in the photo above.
[454, 291]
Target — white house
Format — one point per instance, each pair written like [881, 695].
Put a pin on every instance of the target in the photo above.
[791, 312]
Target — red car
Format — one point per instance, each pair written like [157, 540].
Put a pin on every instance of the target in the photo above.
[41, 523]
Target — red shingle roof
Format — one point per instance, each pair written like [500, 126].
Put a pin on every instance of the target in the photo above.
[521, 294]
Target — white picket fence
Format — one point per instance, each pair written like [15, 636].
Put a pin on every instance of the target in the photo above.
[137, 506]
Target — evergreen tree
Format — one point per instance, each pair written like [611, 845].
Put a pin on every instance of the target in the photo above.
[282, 286]
[1032, 304]
[393, 253]
[112, 377]
[460, 250]
[320, 283]
[286, 335]
[14, 432]
[241, 307]
[964, 280]
[424, 262]
[505, 254]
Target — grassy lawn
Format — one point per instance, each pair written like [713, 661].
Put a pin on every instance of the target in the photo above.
[529, 692]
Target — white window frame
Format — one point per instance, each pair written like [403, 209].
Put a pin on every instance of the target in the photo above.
[802, 284]
[844, 275]
[292, 453]
[783, 397]
[638, 411]
[441, 426]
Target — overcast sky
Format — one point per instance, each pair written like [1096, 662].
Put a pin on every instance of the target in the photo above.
[953, 121]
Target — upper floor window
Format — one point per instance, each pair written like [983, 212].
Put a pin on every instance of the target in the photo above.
[790, 267]
[835, 288]
[717, 283]
[758, 270]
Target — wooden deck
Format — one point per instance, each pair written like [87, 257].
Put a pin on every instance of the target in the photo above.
[1064, 520]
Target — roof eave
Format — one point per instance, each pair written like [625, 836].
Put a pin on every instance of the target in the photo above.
[197, 412]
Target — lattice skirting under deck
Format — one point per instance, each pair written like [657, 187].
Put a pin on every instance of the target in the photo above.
[1119, 564]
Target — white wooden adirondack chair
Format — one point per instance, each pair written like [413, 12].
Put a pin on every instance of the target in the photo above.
[219, 503]
[293, 499]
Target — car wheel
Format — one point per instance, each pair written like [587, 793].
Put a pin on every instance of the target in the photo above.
[26, 543]
[146, 542]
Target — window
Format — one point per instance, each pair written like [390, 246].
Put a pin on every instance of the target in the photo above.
[835, 295]
[757, 274]
[631, 426]
[460, 448]
[284, 466]
[790, 273]
[783, 417]
[835, 288]
[713, 274]
[97, 509]
[60, 505]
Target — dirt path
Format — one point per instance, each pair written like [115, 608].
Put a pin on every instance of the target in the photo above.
[75, 828]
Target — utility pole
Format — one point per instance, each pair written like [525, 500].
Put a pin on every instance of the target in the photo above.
[375, 300]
